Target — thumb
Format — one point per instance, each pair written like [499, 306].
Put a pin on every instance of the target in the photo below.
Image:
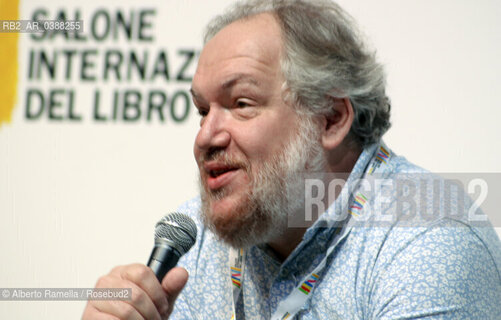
[173, 282]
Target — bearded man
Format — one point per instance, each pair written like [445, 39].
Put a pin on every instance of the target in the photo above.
[286, 90]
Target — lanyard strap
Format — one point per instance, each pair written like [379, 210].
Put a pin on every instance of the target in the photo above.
[237, 264]
[296, 300]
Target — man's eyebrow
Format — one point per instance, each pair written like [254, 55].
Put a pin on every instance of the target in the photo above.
[227, 84]
[196, 96]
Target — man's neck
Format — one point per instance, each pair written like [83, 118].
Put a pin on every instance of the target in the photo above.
[342, 160]
[283, 246]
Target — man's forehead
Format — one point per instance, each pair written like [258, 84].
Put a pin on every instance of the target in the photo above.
[256, 36]
[245, 52]
[239, 78]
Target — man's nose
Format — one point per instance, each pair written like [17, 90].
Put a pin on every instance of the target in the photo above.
[213, 133]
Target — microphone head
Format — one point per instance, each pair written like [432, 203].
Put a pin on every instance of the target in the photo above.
[178, 230]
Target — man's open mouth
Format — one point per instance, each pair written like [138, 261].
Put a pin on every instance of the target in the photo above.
[217, 173]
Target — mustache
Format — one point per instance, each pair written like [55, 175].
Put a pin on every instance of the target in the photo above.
[223, 157]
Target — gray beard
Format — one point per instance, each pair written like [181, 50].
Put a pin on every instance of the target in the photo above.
[277, 191]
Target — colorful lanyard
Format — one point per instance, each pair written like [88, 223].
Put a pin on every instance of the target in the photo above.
[293, 303]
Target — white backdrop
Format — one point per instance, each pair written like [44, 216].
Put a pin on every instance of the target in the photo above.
[77, 198]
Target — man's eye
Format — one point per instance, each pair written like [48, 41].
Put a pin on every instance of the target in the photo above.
[242, 104]
[202, 112]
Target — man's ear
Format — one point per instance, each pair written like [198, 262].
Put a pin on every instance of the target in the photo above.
[337, 123]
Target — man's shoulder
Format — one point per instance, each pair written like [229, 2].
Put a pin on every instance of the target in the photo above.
[446, 262]
[399, 163]
[393, 270]
[426, 206]
[444, 235]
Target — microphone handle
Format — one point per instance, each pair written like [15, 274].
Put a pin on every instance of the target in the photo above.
[162, 259]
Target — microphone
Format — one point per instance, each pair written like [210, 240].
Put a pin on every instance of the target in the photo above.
[175, 234]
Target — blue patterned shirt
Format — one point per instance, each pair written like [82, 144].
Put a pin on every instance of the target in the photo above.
[445, 269]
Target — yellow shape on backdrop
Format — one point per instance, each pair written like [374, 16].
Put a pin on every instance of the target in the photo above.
[9, 10]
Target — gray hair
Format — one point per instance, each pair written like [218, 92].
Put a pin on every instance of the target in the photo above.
[324, 57]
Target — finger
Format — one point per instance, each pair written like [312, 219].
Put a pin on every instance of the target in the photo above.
[91, 313]
[145, 279]
[173, 283]
[118, 309]
[139, 306]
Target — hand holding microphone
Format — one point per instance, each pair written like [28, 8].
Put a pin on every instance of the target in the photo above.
[153, 295]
